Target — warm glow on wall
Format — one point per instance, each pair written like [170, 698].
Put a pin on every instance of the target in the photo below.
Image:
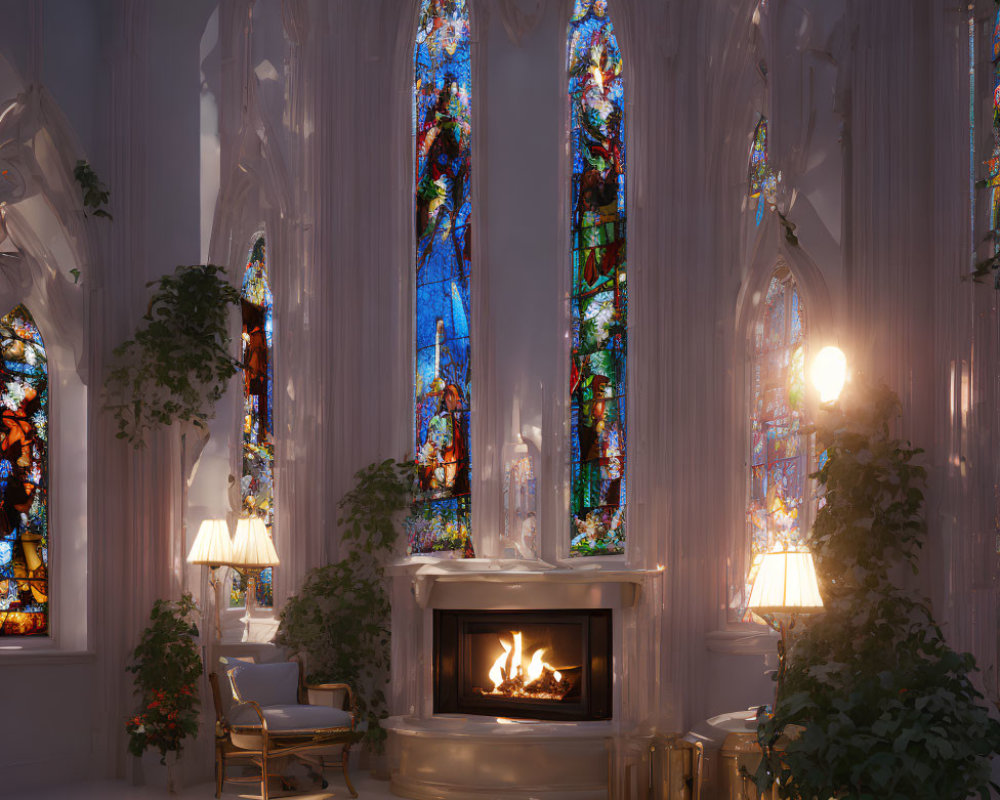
[829, 373]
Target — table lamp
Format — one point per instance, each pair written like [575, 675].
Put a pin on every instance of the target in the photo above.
[253, 551]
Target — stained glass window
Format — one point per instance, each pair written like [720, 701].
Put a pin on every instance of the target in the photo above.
[257, 480]
[993, 164]
[24, 466]
[442, 114]
[763, 183]
[778, 448]
[598, 304]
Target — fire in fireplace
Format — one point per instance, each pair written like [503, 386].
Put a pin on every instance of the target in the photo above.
[515, 676]
[536, 664]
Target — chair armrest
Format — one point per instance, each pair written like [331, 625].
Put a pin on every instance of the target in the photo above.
[256, 707]
[327, 694]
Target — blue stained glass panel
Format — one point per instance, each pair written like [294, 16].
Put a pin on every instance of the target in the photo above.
[442, 121]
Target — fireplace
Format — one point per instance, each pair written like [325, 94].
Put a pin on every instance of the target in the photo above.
[551, 665]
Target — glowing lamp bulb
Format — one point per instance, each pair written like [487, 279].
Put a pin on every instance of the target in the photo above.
[829, 372]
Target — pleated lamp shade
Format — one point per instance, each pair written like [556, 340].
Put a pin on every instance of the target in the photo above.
[212, 546]
[252, 547]
[786, 584]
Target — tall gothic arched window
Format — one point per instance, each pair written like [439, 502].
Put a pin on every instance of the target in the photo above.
[598, 294]
[24, 469]
[779, 451]
[762, 183]
[442, 119]
[257, 479]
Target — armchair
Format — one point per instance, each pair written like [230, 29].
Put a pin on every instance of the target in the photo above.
[275, 714]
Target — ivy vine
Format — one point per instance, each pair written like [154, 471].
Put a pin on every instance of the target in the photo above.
[874, 702]
[178, 364]
[95, 193]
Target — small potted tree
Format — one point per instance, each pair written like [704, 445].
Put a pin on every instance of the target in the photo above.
[340, 618]
[166, 664]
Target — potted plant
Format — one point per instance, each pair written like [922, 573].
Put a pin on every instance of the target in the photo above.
[874, 701]
[178, 364]
[166, 664]
[340, 618]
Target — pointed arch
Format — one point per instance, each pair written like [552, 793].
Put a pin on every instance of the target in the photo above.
[442, 119]
[598, 294]
[24, 467]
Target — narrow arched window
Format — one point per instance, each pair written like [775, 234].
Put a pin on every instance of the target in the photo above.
[778, 447]
[24, 468]
[993, 164]
[442, 119]
[598, 293]
[761, 179]
[257, 479]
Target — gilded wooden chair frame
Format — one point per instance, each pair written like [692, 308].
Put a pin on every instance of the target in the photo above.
[307, 744]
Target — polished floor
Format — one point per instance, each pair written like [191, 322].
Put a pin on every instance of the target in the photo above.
[368, 789]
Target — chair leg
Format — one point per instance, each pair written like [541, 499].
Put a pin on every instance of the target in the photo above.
[343, 765]
[263, 774]
[219, 771]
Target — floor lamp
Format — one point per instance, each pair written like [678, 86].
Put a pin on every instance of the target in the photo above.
[253, 551]
[213, 549]
[785, 585]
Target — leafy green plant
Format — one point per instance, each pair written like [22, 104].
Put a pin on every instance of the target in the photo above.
[340, 618]
[166, 664]
[178, 364]
[875, 703]
[95, 193]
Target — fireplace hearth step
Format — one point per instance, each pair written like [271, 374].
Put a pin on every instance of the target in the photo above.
[458, 757]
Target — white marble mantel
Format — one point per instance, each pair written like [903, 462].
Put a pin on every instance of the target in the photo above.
[509, 578]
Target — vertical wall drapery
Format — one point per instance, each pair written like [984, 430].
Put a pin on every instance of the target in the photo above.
[135, 549]
[964, 501]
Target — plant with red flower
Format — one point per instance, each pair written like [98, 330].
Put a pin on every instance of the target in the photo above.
[166, 664]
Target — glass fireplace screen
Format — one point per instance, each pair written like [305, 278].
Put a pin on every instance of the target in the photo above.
[535, 664]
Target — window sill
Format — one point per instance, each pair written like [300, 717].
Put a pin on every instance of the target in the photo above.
[743, 642]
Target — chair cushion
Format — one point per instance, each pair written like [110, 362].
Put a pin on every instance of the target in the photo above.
[266, 684]
[287, 718]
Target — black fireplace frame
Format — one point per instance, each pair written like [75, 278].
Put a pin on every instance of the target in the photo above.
[595, 702]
